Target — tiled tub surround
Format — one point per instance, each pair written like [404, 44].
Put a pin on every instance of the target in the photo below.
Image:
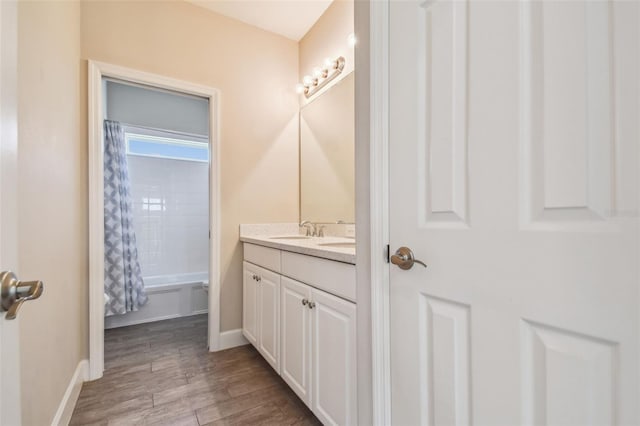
[170, 214]
[171, 220]
[269, 235]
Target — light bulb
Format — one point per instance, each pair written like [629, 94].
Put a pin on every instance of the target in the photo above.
[300, 88]
[307, 80]
[352, 40]
[329, 63]
[317, 72]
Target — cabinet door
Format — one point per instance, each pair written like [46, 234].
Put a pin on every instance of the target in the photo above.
[269, 317]
[334, 359]
[250, 303]
[295, 336]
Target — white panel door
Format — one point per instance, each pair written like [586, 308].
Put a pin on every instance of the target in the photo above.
[10, 404]
[269, 317]
[295, 337]
[334, 359]
[250, 303]
[514, 174]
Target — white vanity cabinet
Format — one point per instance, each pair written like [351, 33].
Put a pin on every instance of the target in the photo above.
[250, 303]
[295, 337]
[333, 343]
[261, 311]
[317, 329]
[318, 335]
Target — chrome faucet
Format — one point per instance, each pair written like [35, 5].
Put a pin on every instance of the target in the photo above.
[311, 228]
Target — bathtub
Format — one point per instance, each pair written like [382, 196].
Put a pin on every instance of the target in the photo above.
[170, 296]
[180, 279]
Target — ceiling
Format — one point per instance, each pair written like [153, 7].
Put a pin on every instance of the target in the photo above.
[290, 18]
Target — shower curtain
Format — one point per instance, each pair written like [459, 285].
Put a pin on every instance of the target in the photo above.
[122, 277]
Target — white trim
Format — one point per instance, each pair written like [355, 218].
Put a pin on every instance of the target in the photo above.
[231, 339]
[163, 140]
[214, 223]
[156, 131]
[98, 70]
[10, 394]
[379, 196]
[70, 397]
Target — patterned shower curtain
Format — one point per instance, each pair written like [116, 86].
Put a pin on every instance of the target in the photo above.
[122, 277]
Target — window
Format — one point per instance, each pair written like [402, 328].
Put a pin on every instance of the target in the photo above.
[167, 147]
[154, 204]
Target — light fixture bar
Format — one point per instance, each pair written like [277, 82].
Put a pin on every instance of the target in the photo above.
[312, 85]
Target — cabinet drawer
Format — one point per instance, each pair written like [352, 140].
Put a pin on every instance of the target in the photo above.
[263, 256]
[334, 277]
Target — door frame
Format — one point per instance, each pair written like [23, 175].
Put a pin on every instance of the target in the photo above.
[10, 395]
[96, 71]
[379, 62]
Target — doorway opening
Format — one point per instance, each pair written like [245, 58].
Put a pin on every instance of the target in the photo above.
[165, 142]
[169, 134]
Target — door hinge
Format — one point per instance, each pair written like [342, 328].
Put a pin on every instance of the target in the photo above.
[387, 255]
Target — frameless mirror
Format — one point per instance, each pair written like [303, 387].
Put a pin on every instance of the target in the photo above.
[327, 159]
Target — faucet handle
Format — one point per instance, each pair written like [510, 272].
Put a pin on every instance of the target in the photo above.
[320, 230]
[308, 226]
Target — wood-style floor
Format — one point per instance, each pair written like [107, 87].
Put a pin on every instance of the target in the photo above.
[162, 373]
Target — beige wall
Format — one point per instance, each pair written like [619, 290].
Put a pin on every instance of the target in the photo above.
[328, 39]
[256, 73]
[52, 225]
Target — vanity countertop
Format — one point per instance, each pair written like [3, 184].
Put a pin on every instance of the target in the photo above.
[340, 249]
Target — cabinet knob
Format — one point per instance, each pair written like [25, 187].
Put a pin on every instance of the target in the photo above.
[258, 278]
[312, 305]
[304, 302]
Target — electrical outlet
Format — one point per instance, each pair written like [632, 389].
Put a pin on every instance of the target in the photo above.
[350, 231]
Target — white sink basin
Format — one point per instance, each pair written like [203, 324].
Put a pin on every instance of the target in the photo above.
[290, 237]
[339, 245]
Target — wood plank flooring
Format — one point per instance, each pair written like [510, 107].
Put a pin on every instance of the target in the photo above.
[162, 374]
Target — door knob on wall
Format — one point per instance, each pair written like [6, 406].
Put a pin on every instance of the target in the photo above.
[13, 293]
[404, 259]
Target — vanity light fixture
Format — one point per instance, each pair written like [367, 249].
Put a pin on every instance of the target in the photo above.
[321, 76]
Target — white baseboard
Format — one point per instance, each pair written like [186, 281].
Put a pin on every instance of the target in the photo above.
[70, 397]
[231, 339]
